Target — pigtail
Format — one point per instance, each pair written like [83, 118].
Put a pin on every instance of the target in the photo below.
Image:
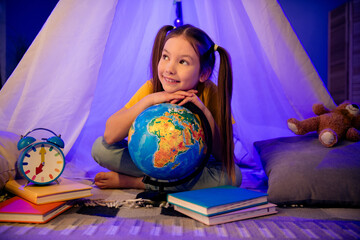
[156, 55]
[225, 82]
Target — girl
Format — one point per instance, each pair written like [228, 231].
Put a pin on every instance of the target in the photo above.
[183, 59]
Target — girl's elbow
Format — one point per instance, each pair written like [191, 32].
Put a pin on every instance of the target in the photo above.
[108, 138]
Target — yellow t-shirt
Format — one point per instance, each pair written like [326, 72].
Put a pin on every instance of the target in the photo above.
[207, 93]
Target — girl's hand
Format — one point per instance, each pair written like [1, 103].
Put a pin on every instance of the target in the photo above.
[165, 97]
[179, 97]
[190, 96]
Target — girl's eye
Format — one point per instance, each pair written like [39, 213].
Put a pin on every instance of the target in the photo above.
[184, 62]
[165, 57]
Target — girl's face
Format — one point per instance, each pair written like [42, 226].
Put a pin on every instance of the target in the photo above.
[179, 66]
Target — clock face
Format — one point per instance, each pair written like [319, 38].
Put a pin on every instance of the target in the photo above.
[42, 163]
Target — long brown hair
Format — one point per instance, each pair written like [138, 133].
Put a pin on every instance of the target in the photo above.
[204, 47]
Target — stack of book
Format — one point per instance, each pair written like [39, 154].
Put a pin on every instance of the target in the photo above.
[221, 204]
[40, 204]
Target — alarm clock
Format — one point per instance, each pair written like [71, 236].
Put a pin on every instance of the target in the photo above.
[41, 162]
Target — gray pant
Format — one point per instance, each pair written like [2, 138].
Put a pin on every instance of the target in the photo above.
[116, 158]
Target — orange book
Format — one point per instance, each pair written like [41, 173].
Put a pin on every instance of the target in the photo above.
[17, 209]
[66, 189]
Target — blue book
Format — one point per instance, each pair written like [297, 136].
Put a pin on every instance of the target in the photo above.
[217, 200]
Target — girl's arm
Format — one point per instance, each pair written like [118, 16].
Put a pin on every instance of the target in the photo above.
[118, 125]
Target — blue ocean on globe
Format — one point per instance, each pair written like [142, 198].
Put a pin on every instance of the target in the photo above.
[166, 141]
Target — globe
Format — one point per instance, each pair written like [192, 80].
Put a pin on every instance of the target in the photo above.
[166, 141]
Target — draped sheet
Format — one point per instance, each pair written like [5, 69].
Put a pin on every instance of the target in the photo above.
[53, 85]
[91, 56]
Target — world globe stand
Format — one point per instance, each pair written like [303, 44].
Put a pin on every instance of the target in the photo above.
[160, 194]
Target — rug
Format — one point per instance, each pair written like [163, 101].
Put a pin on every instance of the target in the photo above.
[110, 218]
[150, 224]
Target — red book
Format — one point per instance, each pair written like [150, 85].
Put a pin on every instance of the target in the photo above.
[17, 209]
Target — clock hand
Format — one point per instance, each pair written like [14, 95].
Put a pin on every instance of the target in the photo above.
[42, 152]
[39, 169]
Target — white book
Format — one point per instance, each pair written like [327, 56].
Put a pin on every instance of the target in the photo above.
[257, 211]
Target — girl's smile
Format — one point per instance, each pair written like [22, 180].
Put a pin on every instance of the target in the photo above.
[170, 80]
[179, 66]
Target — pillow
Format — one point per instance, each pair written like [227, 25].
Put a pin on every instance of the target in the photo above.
[301, 171]
[8, 156]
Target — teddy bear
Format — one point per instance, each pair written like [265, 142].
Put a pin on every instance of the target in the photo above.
[343, 122]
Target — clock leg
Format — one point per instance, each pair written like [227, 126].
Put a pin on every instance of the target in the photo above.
[26, 184]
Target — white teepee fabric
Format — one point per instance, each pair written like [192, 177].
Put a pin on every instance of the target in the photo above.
[91, 56]
[54, 84]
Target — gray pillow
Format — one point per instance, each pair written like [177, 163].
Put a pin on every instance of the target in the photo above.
[301, 171]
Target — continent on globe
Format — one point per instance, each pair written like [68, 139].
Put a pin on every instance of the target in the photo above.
[170, 143]
[173, 140]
